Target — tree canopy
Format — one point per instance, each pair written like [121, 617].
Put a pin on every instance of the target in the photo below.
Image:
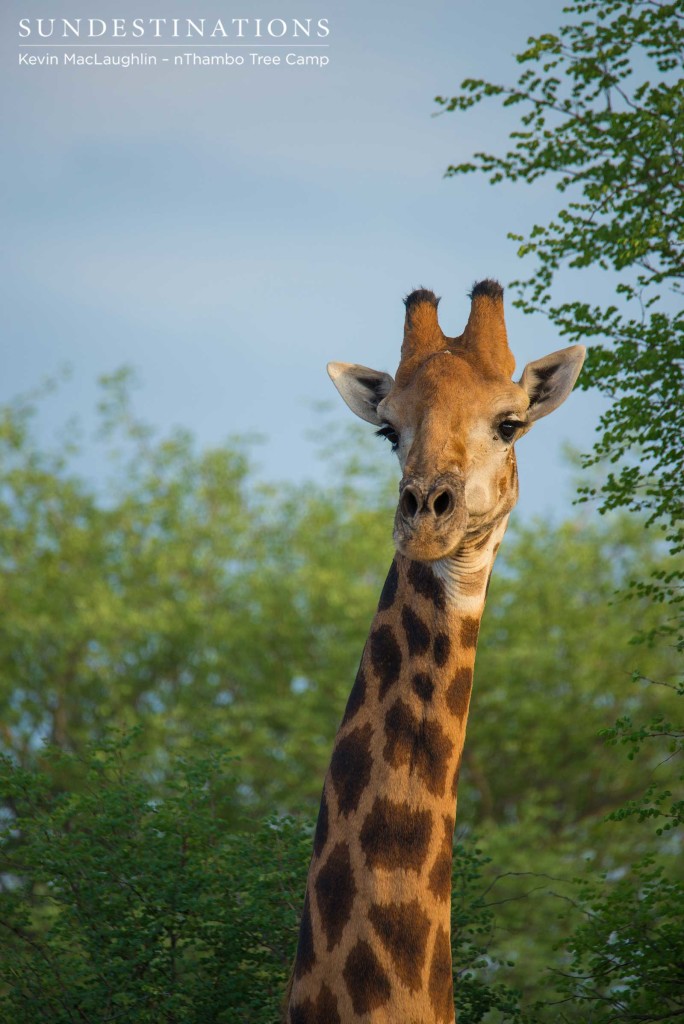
[601, 104]
[223, 618]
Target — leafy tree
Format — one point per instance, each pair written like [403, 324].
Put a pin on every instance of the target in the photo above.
[626, 956]
[222, 614]
[624, 960]
[538, 777]
[183, 595]
[602, 103]
[554, 668]
[656, 801]
[121, 904]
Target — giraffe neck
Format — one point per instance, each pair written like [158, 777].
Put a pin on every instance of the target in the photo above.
[375, 937]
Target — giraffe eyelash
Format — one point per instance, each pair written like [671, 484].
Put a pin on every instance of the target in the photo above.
[390, 434]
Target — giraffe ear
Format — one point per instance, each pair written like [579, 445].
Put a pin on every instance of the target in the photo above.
[361, 388]
[549, 381]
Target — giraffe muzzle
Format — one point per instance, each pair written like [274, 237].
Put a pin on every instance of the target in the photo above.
[431, 517]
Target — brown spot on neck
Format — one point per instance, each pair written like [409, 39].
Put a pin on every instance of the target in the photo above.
[367, 983]
[389, 590]
[306, 955]
[356, 697]
[470, 627]
[321, 835]
[423, 686]
[441, 649]
[403, 929]
[417, 633]
[385, 657]
[350, 767]
[419, 744]
[335, 892]
[394, 835]
[323, 1011]
[440, 983]
[423, 580]
[458, 692]
[439, 880]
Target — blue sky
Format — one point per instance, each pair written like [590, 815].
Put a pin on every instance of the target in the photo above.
[227, 232]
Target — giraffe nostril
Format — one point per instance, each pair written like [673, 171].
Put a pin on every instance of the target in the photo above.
[441, 503]
[408, 504]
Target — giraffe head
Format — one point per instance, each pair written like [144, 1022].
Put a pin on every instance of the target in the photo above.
[453, 415]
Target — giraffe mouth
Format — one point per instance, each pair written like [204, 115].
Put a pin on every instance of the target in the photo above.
[427, 548]
[425, 543]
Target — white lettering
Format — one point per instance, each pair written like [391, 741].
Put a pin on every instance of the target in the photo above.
[34, 58]
[193, 26]
[265, 58]
[310, 60]
[271, 31]
[121, 60]
[209, 60]
[173, 28]
[298, 25]
[94, 23]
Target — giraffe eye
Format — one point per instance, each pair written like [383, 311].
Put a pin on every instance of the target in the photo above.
[390, 433]
[508, 429]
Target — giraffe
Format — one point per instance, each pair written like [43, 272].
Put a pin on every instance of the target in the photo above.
[374, 943]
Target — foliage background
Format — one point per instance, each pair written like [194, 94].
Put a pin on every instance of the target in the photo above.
[145, 877]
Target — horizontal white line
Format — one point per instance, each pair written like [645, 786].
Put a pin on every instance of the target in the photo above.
[149, 46]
